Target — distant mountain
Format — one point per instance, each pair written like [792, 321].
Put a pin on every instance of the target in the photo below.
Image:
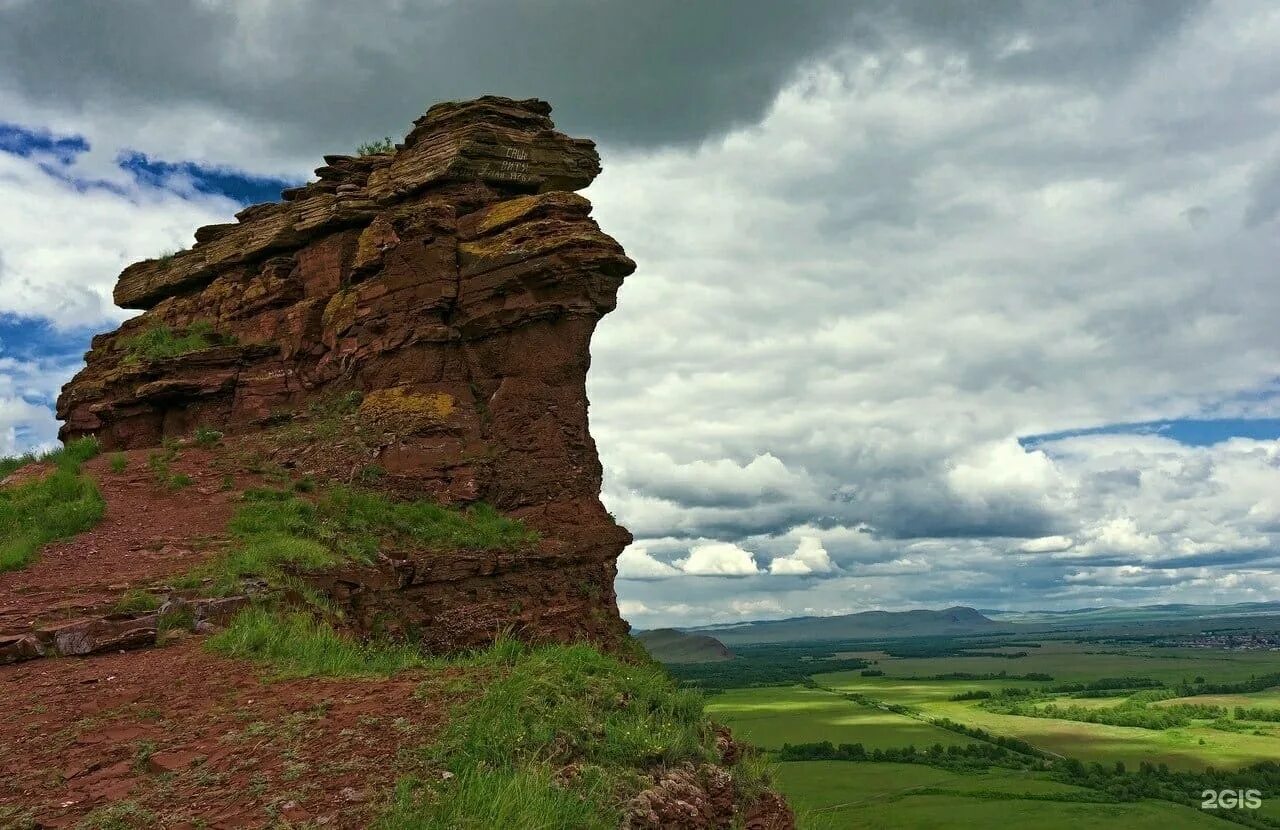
[1138, 613]
[865, 625]
[667, 645]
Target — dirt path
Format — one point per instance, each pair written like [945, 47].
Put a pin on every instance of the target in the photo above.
[150, 531]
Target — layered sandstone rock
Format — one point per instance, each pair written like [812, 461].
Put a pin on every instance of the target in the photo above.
[419, 320]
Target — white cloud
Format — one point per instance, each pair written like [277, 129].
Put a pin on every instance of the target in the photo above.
[1047, 544]
[630, 609]
[636, 563]
[718, 559]
[809, 558]
[63, 247]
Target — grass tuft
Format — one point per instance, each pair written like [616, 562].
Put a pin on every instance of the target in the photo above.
[480, 799]
[160, 342]
[137, 601]
[207, 436]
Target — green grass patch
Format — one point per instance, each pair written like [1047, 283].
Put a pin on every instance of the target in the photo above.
[137, 601]
[57, 506]
[207, 436]
[160, 342]
[67, 457]
[480, 799]
[295, 644]
[565, 703]
[278, 530]
[125, 815]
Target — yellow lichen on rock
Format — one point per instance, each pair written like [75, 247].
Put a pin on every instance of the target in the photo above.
[374, 240]
[339, 313]
[399, 410]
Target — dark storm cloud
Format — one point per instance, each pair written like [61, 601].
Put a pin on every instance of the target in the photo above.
[637, 72]
[1264, 202]
[626, 72]
[1084, 42]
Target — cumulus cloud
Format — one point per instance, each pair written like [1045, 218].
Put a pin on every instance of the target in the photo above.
[718, 559]
[636, 563]
[809, 558]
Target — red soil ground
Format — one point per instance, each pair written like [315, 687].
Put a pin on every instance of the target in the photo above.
[184, 734]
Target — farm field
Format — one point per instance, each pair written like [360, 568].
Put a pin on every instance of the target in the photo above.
[769, 716]
[876, 714]
[831, 795]
[1191, 747]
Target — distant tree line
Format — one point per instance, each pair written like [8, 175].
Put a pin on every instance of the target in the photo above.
[968, 757]
[740, 673]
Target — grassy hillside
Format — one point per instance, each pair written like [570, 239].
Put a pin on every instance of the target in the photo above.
[667, 645]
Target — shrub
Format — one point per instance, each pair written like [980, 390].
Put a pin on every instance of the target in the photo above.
[207, 436]
[376, 147]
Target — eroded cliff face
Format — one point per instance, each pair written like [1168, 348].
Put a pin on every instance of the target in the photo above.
[419, 321]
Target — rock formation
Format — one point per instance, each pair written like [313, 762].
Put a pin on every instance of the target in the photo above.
[418, 320]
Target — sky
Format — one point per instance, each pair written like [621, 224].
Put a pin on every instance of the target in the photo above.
[968, 303]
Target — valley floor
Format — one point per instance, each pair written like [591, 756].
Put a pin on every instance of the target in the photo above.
[926, 705]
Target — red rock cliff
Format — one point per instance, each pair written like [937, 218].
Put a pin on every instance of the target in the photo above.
[420, 319]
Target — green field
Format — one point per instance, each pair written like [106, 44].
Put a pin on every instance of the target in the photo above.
[895, 710]
[770, 716]
[1192, 747]
[831, 795]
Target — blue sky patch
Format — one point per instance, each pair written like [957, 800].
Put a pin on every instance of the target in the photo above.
[30, 143]
[1190, 431]
[213, 181]
[56, 156]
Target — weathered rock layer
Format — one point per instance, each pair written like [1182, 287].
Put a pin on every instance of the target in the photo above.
[432, 308]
